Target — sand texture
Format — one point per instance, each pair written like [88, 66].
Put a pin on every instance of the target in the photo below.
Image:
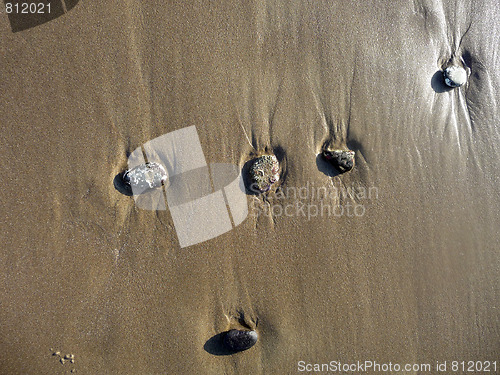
[87, 273]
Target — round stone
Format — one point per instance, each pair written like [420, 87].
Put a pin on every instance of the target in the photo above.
[343, 160]
[145, 176]
[455, 76]
[236, 340]
[264, 172]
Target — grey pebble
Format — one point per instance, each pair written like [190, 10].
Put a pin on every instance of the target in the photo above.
[237, 341]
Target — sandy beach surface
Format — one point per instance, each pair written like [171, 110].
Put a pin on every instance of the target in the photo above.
[408, 272]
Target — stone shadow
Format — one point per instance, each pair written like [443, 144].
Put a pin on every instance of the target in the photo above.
[325, 167]
[438, 84]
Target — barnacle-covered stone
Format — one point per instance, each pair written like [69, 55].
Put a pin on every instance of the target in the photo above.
[237, 340]
[145, 176]
[455, 76]
[342, 160]
[264, 172]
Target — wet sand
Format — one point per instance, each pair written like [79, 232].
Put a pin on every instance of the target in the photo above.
[414, 279]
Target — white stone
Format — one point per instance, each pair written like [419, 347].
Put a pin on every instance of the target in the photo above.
[455, 76]
[145, 176]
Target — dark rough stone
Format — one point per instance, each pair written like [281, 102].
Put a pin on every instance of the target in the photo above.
[343, 160]
[236, 340]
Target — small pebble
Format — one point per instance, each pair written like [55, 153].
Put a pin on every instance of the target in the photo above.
[343, 160]
[236, 340]
[455, 76]
[145, 176]
[264, 172]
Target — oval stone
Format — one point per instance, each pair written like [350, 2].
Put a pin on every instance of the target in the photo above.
[264, 172]
[455, 76]
[342, 160]
[145, 176]
[236, 340]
